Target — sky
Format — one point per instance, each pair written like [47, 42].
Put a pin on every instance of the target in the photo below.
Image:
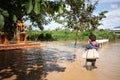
[112, 17]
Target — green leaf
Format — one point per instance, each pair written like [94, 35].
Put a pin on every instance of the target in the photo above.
[5, 13]
[60, 9]
[1, 21]
[37, 7]
[29, 6]
[14, 18]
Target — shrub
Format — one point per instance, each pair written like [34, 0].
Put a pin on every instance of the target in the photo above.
[69, 35]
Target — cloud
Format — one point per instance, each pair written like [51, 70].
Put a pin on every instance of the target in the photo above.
[112, 19]
[109, 1]
[114, 6]
[114, 14]
[53, 25]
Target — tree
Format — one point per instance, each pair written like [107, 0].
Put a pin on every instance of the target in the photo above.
[80, 16]
[34, 10]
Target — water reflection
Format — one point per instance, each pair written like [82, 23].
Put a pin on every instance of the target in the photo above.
[32, 64]
[44, 63]
[71, 45]
[15, 64]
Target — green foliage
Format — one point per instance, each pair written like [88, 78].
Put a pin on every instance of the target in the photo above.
[29, 6]
[66, 35]
[1, 21]
[102, 34]
[80, 15]
[34, 10]
[14, 18]
[3, 13]
[40, 36]
[37, 7]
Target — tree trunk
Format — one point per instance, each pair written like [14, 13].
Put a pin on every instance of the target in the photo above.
[76, 38]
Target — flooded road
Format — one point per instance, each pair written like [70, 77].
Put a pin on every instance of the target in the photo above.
[59, 61]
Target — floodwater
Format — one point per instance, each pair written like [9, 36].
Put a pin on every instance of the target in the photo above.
[59, 61]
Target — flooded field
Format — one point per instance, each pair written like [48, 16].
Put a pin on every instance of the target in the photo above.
[59, 61]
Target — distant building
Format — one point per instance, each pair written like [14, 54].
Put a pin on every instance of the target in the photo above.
[116, 30]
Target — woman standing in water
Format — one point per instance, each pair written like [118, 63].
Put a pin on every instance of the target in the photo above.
[92, 45]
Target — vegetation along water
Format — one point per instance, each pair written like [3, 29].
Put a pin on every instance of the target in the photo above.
[63, 35]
